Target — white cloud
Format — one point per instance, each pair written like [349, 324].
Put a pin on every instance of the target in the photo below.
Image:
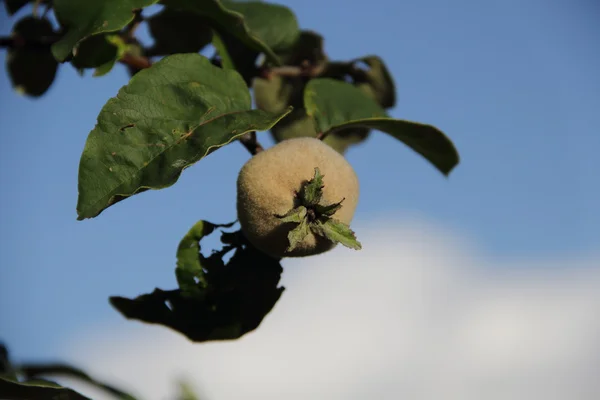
[417, 314]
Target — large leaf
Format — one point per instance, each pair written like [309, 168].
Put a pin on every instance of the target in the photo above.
[336, 105]
[85, 18]
[231, 301]
[260, 26]
[37, 371]
[31, 66]
[177, 31]
[36, 389]
[167, 118]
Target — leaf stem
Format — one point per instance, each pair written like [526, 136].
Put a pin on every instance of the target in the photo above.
[251, 143]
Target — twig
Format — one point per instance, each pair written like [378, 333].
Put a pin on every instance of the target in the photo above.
[250, 143]
[136, 62]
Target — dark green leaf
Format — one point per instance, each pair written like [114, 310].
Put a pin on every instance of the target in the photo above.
[190, 271]
[31, 66]
[337, 232]
[85, 18]
[312, 191]
[36, 389]
[237, 298]
[167, 118]
[36, 371]
[234, 55]
[338, 105]
[262, 27]
[6, 369]
[296, 215]
[100, 52]
[177, 31]
[377, 81]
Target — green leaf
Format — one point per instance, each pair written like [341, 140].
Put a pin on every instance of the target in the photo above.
[262, 27]
[100, 52]
[312, 191]
[237, 298]
[337, 232]
[177, 31]
[31, 66]
[36, 389]
[234, 55]
[36, 371]
[167, 118]
[85, 18]
[329, 210]
[190, 268]
[298, 234]
[296, 215]
[377, 81]
[338, 105]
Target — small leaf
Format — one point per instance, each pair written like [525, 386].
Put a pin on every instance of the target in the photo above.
[336, 105]
[36, 389]
[377, 81]
[31, 67]
[312, 191]
[329, 210]
[177, 31]
[298, 234]
[337, 232]
[167, 118]
[296, 215]
[262, 27]
[238, 297]
[189, 260]
[100, 52]
[36, 371]
[85, 18]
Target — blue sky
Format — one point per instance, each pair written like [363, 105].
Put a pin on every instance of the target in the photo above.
[515, 84]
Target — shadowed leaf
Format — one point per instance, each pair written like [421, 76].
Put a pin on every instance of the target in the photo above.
[31, 66]
[177, 31]
[85, 18]
[100, 52]
[338, 105]
[36, 371]
[263, 27]
[168, 117]
[36, 389]
[236, 298]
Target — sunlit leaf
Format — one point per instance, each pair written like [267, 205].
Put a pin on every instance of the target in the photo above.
[167, 118]
[338, 105]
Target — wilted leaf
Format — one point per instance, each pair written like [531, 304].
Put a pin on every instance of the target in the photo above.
[38, 371]
[85, 18]
[36, 389]
[168, 117]
[190, 268]
[338, 105]
[177, 31]
[237, 297]
[260, 26]
[30, 64]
